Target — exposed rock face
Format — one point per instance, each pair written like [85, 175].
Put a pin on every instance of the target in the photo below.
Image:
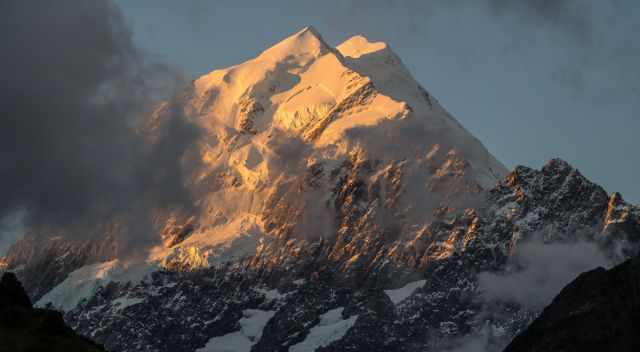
[23, 328]
[339, 207]
[296, 143]
[598, 311]
[12, 294]
[296, 282]
[42, 263]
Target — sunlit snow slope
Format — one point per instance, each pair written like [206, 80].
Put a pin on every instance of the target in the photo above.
[337, 206]
[284, 132]
[287, 120]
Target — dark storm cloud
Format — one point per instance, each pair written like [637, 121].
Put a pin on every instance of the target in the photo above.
[73, 90]
[590, 39]
[570, 15]
[565, 28]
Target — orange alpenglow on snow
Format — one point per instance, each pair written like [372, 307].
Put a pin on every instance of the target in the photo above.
[275, 129]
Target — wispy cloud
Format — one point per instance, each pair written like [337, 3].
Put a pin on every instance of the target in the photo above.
[538, 271]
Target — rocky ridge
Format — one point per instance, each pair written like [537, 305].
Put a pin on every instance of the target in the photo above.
[339, 207]
[23, 328]
[598, 311]
[297, 281]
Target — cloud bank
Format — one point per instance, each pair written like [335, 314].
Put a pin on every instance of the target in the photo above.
[533, 277]
[73, 93]
[539, 271]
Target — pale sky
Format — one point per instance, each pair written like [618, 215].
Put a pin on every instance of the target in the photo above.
[533, 81]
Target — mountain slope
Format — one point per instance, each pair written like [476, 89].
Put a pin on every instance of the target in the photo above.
[23, 328]
[287, 128]
[280, 134]
[422, 295]
[598, 311]
[338, 207]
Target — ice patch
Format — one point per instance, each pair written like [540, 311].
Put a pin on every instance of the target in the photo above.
[507, 210]
[84, 282]
[228, 242]
[251, 326]
[270, 295]
[124, 302]
[330, 328]
[398, 295]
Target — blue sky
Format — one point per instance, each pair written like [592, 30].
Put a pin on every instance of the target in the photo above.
[532, 82]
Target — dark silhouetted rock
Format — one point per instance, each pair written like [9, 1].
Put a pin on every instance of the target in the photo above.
[12, 293]
[598, 311]
[23, 328]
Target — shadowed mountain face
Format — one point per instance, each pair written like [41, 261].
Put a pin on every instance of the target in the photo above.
[295, 143]
[340, 207]
[23, 328]
[598, 311]
[365, 290]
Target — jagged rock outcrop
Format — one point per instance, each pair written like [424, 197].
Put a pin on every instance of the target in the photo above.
[23, 328]
[598, 311]
[338, 207]
[419, 293]
[284, 139]
[42, 263]
[12, 294]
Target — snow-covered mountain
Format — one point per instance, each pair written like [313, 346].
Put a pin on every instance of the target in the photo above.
[337, 207]
[598, 311]
[282, 129]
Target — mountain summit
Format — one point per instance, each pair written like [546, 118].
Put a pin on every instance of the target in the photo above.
[326, 96]
[337, 207]
[305, 142]
[280, 129]
[306, 42]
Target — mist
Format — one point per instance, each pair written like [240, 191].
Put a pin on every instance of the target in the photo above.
[538, 271]
[74, 96]
[533, 277]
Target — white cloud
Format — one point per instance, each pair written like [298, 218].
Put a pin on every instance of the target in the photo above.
[539, 271]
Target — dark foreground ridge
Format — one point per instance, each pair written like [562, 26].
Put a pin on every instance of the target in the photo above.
[598, 311]
[23, 328]
[295, 288]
